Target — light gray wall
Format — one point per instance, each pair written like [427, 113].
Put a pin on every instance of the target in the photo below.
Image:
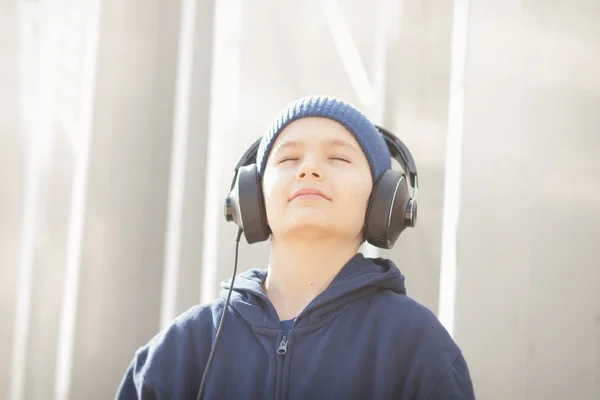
[417, 111]
[12, 173]
[528, 299]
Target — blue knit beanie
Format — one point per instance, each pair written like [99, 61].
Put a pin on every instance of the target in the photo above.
[367, 135]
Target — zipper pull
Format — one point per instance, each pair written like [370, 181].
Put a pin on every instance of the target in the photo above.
[282, 345]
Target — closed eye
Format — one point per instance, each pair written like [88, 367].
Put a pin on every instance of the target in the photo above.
[340, 159]
[287, 159]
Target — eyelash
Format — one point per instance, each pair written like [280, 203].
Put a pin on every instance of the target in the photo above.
[341, 159]
[331, 158]
[287, 159]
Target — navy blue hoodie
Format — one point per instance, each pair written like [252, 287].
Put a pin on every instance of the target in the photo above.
[361, 338]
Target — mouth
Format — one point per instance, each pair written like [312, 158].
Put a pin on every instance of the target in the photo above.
[309, 194]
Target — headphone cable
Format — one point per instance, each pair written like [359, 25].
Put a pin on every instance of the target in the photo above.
[212, 350]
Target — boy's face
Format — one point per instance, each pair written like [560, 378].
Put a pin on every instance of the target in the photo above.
[317, 153]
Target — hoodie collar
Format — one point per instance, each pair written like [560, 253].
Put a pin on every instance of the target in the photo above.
[360, 276]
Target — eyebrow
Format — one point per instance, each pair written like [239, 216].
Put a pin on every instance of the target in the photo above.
[340, 143]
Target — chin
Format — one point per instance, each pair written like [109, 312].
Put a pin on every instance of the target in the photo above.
[314, 225]
[312, 217]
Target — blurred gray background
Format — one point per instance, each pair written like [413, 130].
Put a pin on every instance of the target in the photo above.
[122, 121]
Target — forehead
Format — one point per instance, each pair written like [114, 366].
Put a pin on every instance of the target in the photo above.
[315, 130]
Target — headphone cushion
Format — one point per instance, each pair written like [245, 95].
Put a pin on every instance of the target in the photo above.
[385, 217]
[251, 205]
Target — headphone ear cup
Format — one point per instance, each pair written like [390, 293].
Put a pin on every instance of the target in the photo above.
[385, 217]
[246, 207]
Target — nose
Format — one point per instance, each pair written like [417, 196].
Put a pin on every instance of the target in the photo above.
[309, 170]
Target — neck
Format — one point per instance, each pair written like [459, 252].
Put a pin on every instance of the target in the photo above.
[299, 270]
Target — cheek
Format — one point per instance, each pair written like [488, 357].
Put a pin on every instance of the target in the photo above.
[274, 190]
[356, 190]
[267, 185]
[357, 201]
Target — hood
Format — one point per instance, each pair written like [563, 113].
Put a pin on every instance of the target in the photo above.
[360, 276]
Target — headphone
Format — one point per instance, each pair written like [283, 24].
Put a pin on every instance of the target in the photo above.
[391, 208]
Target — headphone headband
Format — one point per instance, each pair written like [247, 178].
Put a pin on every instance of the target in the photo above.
[400, 153]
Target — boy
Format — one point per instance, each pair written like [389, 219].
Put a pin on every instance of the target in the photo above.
[323, 321]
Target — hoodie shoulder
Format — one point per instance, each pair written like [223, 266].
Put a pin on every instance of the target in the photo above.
[166, 357]
[418, 334]
[197, 320]
[414, 319]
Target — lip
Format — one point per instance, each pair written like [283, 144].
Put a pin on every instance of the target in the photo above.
[309, 193]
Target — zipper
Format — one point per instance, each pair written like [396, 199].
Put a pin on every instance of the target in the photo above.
[282, 345]
[282, 349]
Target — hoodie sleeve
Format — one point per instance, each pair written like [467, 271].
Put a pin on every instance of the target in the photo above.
[455, 384]
[133, 386]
